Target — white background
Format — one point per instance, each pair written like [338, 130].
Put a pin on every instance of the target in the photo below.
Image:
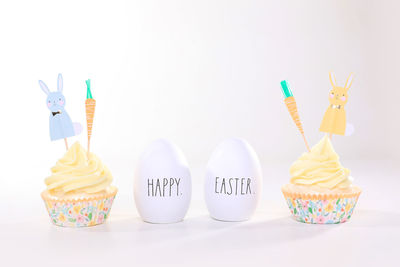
[197, 72]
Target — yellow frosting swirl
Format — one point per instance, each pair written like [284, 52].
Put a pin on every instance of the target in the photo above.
[75, 173]
[320, 167]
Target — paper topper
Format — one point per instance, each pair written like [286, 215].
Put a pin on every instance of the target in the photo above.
[90, 105]
[61, 125]
[334, 121]
[292, 108]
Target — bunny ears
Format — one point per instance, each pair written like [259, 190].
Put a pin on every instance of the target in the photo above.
[46, 90]
[349, 80]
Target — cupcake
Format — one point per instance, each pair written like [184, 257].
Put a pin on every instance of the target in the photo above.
[320, 189]
[79, 191]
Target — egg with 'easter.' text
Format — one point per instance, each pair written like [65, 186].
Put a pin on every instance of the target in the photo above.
[233, 183]
[162, 185]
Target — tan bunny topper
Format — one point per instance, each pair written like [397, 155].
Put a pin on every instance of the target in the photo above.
[334, 121]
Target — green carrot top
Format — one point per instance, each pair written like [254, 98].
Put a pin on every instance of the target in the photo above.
[89, 93]
[286, 89]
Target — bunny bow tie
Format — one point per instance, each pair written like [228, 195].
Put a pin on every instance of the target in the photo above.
[55, 113]
[336, 106]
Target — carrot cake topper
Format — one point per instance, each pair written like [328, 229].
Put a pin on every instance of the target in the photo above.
[61, 125]
[334, 121]
[90, 105]
[292, 108]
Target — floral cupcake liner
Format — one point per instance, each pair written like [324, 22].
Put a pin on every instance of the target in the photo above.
[79, 212]
[322, 209]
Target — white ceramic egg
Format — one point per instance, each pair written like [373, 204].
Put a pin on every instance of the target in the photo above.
[233, 183]
[162, 185]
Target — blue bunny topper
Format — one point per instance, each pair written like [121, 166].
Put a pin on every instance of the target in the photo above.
[61, 125]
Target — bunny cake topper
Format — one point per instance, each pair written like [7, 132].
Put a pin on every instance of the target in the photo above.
[334, 120]
[61, 125]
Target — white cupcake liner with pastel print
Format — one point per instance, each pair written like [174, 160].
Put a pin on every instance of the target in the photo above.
[80, 212]
[321, 208]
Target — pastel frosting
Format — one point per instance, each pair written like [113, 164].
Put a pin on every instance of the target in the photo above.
[76, 173]
[320, 167]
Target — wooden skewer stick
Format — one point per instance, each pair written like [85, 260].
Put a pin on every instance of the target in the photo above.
[88, 148]
[305, 141]
[66, 143]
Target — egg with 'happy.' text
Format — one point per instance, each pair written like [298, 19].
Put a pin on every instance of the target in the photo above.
[233, 183]
[162, 184]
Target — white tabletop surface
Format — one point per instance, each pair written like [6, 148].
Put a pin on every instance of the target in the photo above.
[271, 237]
